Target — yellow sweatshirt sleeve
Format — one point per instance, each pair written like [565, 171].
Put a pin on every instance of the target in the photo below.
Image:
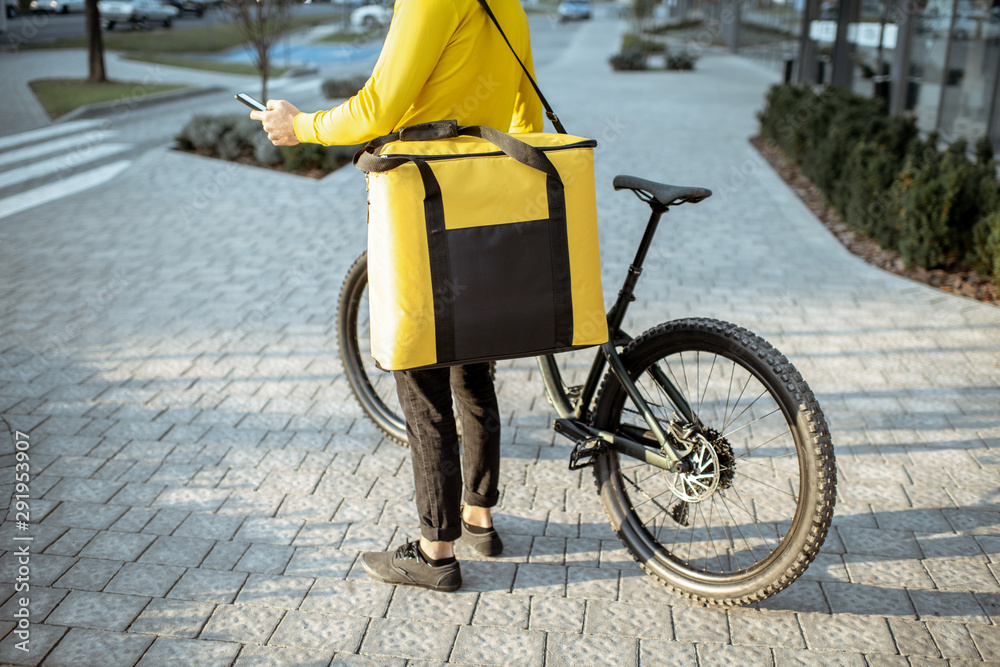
[527, 116]
[418, 33]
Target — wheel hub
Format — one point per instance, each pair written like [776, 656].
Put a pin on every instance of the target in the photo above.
[702, 478]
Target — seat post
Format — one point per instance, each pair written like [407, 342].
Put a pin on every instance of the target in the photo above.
[617, 313]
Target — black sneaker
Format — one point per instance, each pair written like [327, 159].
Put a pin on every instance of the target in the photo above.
[408, 566]
[487, 544]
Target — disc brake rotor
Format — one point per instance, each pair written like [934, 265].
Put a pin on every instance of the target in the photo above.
[702, 480]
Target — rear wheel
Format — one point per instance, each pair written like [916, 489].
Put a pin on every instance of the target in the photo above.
[374, 388]
[754, 506]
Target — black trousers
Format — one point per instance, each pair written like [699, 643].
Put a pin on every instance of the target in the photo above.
[441, 466]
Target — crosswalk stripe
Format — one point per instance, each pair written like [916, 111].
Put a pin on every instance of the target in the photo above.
[47, 148]
[63, 162]
[60, 189]
[47, 132]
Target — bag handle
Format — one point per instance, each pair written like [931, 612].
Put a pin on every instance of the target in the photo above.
[368, 160]
[553, 118]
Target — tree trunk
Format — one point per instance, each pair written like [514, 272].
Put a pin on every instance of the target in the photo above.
[95, 44]
[265, 65]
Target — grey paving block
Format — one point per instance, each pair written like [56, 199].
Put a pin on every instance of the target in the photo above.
[41, 602]
[99, 611]
[648, 621]
[309, 508]
[663, 653]
[962, 576]
[358, 510]
[951, 606]
[308, 629]
[887, 571]
[137, 493]
[192, 499]
[144, 579]
[268, 530]
[268, 558]
[556, 614]
[502, 610]
[247, 502]
[209, 585]
[165, 521]
[321, 562]
[180, 551]
[176, 618]
[954, 641]
[847, 633]
[880, 542]
[85, 515]
[792, 657]
[209, 526]
[540, 579]
[44, 569]
[361, 598]
[913, 639]
[701, 625]
[224, 555]
[871, 600]
[41, 641]
[89, 574]
[499, 646]
[420, 604]
[276, 656]
[71, 542]
[178, 651]
[82, 648]
[714, 655]
[411, 639]
[320, 534]
[752, 628]
[114, 545]
[133, 520]
[592, 583]
[275, 591]
[568, 649]
[987, 640]
[242, 624]
[362, 537]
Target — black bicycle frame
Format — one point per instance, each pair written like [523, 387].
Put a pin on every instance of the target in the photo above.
[573, 414]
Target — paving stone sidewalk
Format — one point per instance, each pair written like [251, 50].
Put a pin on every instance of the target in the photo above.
[202, 482]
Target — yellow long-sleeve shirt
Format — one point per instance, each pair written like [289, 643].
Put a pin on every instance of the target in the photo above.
[442, 60]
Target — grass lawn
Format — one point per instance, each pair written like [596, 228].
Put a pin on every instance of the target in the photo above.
[344, 38]
[202, 64]
[60, 96]
[206, 38]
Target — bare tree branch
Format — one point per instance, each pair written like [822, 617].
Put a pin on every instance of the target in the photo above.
[261, 23]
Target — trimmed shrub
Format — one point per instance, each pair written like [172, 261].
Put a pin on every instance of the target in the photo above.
[336, 89]
[936, 208]
[681, 61]
[631, 41]
[632, 59]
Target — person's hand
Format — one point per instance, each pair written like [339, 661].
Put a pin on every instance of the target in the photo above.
[277, 121]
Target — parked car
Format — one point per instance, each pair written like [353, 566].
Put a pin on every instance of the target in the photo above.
[56, 6]
[136, 12]
[196, 7]
[574, 10]
[374, 16]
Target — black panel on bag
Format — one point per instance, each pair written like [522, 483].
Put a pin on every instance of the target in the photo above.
[501, 276]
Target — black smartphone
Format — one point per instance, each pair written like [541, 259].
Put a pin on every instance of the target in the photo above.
[251, 102]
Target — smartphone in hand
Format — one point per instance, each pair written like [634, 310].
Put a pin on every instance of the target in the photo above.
[251, 102]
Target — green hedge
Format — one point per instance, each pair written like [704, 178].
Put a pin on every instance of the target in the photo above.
[237, 136]
[936, 207]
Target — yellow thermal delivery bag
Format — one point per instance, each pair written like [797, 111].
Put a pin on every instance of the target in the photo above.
[481, 245]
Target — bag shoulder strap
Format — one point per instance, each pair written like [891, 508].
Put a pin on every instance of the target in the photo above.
[553, 118]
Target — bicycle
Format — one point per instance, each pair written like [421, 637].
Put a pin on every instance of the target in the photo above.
[711, 455]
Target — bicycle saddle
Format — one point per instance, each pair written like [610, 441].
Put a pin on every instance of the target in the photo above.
[665, 195]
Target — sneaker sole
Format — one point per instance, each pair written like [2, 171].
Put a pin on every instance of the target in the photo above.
[377, 577]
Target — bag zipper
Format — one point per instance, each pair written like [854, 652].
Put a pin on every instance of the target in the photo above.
[587, 143]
